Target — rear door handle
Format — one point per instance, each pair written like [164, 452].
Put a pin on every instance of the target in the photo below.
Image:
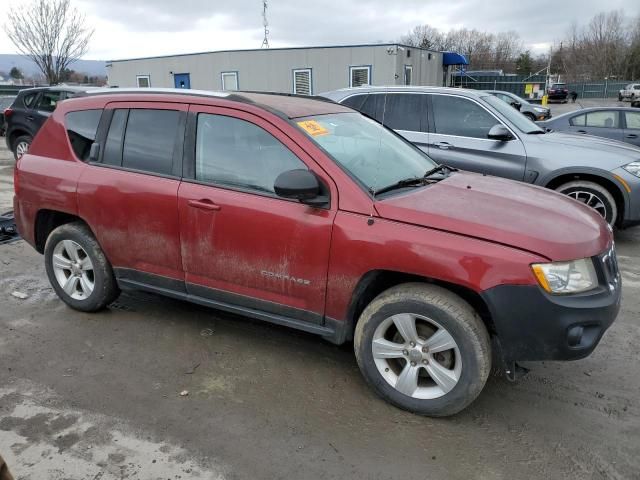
[443, 145]
[582, 131]
[203, 204]
[30, 118]
[631, 135]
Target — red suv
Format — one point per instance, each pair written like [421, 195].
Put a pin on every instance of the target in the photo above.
[308, 214]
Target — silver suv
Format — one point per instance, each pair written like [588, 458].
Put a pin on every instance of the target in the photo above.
[475, 131]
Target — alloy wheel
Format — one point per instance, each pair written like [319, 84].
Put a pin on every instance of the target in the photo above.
[416, 356]
[73, 269]
[22, 148]
[591, 200]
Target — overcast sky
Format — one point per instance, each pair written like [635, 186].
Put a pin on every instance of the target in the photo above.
[135, 28]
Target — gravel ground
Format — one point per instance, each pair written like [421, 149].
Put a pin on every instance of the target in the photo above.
[97, 397]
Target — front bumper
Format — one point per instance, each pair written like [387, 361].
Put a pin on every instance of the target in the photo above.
[532, 325]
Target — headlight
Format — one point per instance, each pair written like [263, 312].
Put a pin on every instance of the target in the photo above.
[540, 109]
[566, 277]
[633, 168]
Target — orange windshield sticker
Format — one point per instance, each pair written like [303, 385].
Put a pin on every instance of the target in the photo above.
[313, 128]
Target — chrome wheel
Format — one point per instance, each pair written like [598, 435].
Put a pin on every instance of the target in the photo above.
[22, 148]
[73, 269]
[416, 356]
[591, 200]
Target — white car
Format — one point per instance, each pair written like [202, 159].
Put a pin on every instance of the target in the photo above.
[630, 92]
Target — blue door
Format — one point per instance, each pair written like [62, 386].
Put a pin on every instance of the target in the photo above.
[181, 80]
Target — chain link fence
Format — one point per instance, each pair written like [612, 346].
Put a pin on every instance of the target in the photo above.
[532, 87]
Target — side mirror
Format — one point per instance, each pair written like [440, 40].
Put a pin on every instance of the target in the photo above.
[300, 185]
[499, 132]
[516, 105]
[94, 153]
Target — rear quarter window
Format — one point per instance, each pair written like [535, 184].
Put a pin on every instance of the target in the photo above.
[29, 99]
[81, 130]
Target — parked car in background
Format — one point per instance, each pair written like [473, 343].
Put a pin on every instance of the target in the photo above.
[473, 130]
[635, 103]
[630, 92]
[622, 124]
[558, 91]
[529, 110]
[5, 102]
[307, 214]
[29, 111]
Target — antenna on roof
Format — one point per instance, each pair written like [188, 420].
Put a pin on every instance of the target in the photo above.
[265, 22]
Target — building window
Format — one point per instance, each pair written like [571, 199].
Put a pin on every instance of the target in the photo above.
[359, 76]
[144, 81]
[408, 74]
[302, 81]
[229, 80]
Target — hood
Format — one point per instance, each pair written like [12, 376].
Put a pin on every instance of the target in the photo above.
[511, 213]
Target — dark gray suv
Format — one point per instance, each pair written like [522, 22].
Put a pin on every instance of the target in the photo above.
[475, 131]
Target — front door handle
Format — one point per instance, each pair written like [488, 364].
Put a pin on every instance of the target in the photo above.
[582, 131]
[30, 118]
[203, 204]
[631, 135]
[443, 145]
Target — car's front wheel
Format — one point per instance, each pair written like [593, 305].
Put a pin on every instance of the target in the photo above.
[21, 145]
[78, 270]
[423, 349]
[530, 116]
[594, 196]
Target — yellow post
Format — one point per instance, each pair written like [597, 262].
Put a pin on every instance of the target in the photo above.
[544, 100]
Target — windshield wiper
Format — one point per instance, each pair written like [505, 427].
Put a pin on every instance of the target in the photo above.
[407, 182]
[440, 168]
[415, 181]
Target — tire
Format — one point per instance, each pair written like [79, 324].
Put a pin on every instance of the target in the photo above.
[592, 194]
[93, 288]
[18, 144]
[620, 98]
[530, 116]
[437, 310]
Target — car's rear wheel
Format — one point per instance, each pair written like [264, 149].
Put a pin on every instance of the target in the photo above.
[78, 270]
[423, 349]
[593, 195]
[21, 145]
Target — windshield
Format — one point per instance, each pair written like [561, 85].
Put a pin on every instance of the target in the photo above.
[518, 120]
[370, 152]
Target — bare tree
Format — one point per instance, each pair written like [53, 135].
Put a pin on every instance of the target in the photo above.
[424, 36]
[51, 33]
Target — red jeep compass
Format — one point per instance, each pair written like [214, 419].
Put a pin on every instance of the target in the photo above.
[305, 213]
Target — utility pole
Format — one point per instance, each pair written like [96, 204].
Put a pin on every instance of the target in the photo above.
[265, 41]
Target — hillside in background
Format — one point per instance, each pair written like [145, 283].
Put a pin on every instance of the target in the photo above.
[28, 68]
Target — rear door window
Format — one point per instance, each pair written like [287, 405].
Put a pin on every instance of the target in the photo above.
[48, 101]
[461, 117]
[81, 130]
[603, 119]
[113, 143]
[150, 139]
[404, 111]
